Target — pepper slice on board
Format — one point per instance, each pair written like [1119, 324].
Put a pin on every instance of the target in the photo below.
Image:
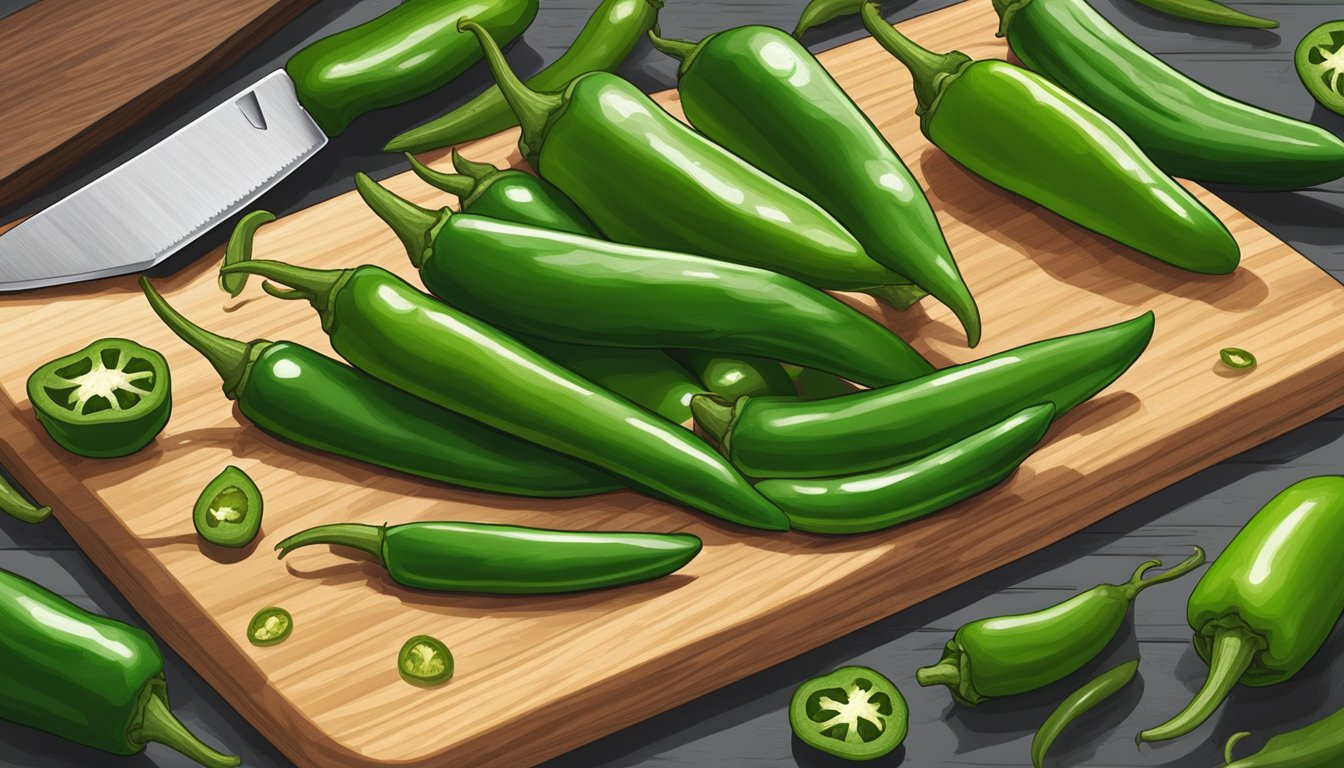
[108, 399]
[425, 660]
[1320, 63]
[270, 625]
[228, 512]
[854, 713]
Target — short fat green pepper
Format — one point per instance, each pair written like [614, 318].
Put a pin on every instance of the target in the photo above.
[1029, 136]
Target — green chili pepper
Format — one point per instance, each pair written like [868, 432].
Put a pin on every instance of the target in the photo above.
[1209, 12]
[1236, 357]
[405, 53]
[303, 397]
[506, 559]
[86, 678]
[646, 178]
[854, 713]
[819, 12]
[759, 94]
[819, 385]
[1319, 745]
[1189, 130]
[581, 290]
[108, 399]
[646, 377]
[603, 43]
[1029, 136]
[734, 377]
[239, 249]
[270, 626]
[16, 505]
[393, 332]
[877, 428]
[876, 500]
[1009, 655]
[1320, 64]
[507, 195]
[1270, 599]
[1077, 704]
[228, 511]
[425, 661]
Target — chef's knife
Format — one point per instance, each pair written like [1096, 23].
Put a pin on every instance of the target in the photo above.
[143, 211]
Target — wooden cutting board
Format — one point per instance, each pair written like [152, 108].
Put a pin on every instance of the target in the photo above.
[537, 676]
[85, 71]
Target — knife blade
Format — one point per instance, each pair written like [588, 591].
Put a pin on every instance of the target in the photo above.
[148, 208]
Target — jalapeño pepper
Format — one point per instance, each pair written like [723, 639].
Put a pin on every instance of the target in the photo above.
[877, 428]
[759, 94]
[391, 331]
[506, 559]
[303, 397]
[581, 290]
[734, 377]
[647, 179]
[86, 678]
[1029, 136]
[1268, 602]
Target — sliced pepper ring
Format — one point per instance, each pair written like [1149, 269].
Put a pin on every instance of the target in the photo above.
[854, 713]
[228, 511]
[269, 626]
[425, 661]
[108, 399]
[1320, 63]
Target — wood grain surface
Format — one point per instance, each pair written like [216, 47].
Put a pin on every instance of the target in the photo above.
[86, 71]
[537, 676]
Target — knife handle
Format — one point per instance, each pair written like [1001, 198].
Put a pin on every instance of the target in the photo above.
[401, 55]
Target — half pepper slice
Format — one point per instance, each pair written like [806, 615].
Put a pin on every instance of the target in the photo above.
[228, 512]
[108, 399]
[854, 713]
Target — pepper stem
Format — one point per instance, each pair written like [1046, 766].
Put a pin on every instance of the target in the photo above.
[475, 169]
[943, 673]
[365, 538]
[819, 12]
[1232, 651]
[159, 724]
[1137, 583]
[532, 108]
[928, 70]
[228, 356]
[713, 414]
[1232, 742]
[454, 184]
[898, 295]
[677, 49]
[315, 285]
[414, 226]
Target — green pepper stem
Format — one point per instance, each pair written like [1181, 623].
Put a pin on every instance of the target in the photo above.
[15, 505]
[928, 70]
[712, 414]
[899, 296]
[453, 183]
[315, 285]
[366, 538]
[532, 108]
[474, 169]
[159, 724]
[942, 673]
[414, 226]
[677, 49]
[1232, 742]
[1232, 652]
[1137, 583]
[228, 356]
[819, 12]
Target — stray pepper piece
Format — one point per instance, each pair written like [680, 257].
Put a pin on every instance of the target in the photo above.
[16, 505]
[425, 661]
[1319, 745]
[1077, 704]
[270, 625]
[228, 511]
[1235, 357]
[108, 399]
[854, 713]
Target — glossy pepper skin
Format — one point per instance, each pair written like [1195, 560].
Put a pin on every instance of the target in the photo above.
[1078, 703]
[86, 678]
[647, 179]
[877, 428]
[1008, 655]
[605, 41]
[1319, 745]
[506, 559]
[306, 398]
[507, 195]
[394, 332]
[759, 94]
[405, 53]
[1268, 602]
[1030, 136]
[1187, 129]
[581, 290]
[646, 377]
[736, 376]
[880, 499]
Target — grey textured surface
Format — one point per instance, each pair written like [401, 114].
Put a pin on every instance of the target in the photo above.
[744, 724]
